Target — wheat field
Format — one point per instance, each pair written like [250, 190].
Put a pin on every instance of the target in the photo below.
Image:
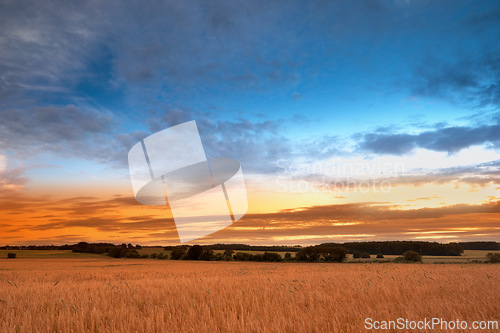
[119, 295]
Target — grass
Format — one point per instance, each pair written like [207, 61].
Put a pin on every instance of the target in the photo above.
[118, 295]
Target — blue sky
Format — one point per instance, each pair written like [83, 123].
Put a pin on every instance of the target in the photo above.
[311, 69]
[266, 81]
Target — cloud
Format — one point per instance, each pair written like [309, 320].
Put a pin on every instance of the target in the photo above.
[480, 175]
[448, 139]
[12, 179]
[257, 145]
[121, 218]
[470, 79]
[43, 45]
[63, 131]
[366, 221]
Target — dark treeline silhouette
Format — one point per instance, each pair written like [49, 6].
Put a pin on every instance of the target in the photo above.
[206, 253]
[381, 247]
[399, 247]
[245, 247]
[479, 245]
[322, 253]
[98, 248]
[266, 256]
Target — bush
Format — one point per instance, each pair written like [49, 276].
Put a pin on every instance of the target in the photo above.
[288, 256]
[356, 255]
[11, 255]
[117, 252]
[412, 256]
[322, 253]
[195, 252]
[493, 257]
[242, 256]
[153, 255]
[380, 256]
[162, 256]
[221, 257]
[177, 254]
[271, 257]
[228, 253]
[365, 255]
[207, 255]
[132, 254]
[145, 256]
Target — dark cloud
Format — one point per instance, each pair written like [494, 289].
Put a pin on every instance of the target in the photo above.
[43, 45]
[471, 80]
[448, 139]
[257, 145]
[64, 131]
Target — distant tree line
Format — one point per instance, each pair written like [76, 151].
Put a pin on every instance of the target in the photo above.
[399, 247]
[198, 252]
[382, 247]
[358, 249]
[245, 247]
[321, 253]
[479, 245]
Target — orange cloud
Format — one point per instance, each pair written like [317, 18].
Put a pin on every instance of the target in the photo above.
[28, 219]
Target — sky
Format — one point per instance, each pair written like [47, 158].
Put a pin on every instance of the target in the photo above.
[352, 120]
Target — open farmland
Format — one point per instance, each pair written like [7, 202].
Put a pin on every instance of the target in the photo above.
[123, 295]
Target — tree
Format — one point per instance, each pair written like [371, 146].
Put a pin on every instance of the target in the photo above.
[11, 255]
[288, 256]
[356, 255]
[412, 256]
[365, 255]
[162, 256]
[195, 252]
[132, 254]
[207, 255]
[220, 256]
[178, 253]
[322, 253]
[272, 257]
[117, 252]
[380, 256]
[493, 257]
[242, 256]
[228, 253]
[335, 254]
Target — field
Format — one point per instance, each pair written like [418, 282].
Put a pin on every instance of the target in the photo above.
[127, 295]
